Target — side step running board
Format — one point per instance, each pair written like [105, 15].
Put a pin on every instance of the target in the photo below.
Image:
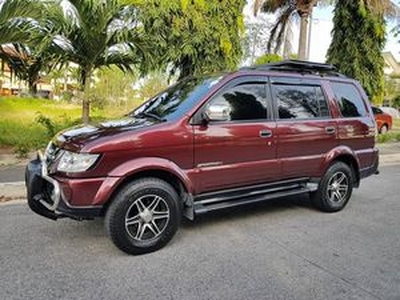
[235, 197]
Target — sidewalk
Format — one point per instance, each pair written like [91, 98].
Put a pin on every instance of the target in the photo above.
[389, 154]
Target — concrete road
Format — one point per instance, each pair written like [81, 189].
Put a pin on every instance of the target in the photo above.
[277, 250]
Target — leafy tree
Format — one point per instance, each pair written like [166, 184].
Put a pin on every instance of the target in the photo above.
[194, 37]
[253, 42]
[268, 58]
[113, 87]
[357, 43]
[95, 34]
[151, 85]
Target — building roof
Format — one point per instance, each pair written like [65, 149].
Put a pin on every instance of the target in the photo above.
[392, 66]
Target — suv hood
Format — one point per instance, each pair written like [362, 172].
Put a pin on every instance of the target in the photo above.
[75, 138]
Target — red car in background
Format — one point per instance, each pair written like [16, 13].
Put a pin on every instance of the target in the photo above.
[383, 120]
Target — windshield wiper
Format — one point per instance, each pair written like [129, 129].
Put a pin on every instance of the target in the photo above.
[150, 115]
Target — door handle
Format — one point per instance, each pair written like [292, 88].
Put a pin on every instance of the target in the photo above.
[330, 130]
[265, 133]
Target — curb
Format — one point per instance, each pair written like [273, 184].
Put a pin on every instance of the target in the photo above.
[11, 191]
[389, 159]
[13, 202]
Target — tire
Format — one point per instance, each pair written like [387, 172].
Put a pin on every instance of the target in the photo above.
[144, 216]
[335, 188]
[384, 129]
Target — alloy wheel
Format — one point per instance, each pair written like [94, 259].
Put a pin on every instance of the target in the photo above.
[338, 187]
[147, 217]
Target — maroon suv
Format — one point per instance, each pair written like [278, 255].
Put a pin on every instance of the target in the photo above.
[208, 143]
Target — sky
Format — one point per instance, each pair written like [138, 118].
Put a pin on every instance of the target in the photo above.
[321, 33]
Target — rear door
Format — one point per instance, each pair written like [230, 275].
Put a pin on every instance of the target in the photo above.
[305, 129]
[241, 150]
[356, 128]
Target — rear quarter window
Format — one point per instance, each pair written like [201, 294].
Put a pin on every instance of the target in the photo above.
[349, 99]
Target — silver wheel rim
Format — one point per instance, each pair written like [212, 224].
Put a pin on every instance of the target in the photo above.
[338, 187]
[384, 129]
[147, 218]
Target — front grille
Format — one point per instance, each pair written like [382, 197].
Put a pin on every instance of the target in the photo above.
[48, 192]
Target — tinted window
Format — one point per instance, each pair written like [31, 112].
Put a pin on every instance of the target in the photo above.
[349, 100]
[376, 110]
[245, 101]
[175, 101]
[300, 102]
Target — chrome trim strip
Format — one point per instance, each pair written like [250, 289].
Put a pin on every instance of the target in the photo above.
[210, 164]
[56, 196]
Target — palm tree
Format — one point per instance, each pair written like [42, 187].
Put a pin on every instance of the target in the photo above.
[29, 62]
[16, 19]
[95, 34]
[287, 9]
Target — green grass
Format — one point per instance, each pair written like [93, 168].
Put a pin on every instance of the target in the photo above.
[21, 129]
[390, 137]
[396, 124]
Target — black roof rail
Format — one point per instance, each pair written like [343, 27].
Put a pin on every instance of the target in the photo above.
[298, 66]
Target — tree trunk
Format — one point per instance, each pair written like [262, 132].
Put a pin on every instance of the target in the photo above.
[32, 85]
[187, 68]
[65, 84]
[85, 85]
[303, 36]
[304, 10]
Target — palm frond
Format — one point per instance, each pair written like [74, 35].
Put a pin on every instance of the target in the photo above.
[383, 7]
[17, 20]
[10, 9]
[277, 34]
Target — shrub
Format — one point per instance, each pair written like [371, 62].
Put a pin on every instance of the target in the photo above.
[268, 58]
[47, 123]
[396, 101]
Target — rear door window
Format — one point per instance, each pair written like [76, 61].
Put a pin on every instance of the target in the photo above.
[349, 99]
[296, 101]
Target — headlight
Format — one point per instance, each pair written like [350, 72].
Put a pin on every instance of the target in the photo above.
[76, 162]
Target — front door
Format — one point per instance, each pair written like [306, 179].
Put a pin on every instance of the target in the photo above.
[240, 150]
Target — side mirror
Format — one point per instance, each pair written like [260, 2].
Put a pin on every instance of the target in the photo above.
[217, 113]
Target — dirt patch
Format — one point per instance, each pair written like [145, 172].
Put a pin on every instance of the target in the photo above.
[6, 150]
[8, 157]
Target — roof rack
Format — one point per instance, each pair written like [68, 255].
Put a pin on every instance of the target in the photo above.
[298, 66]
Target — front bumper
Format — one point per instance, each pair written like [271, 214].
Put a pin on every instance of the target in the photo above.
[45, 197]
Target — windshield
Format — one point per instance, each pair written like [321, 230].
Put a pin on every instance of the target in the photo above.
[175, 101]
